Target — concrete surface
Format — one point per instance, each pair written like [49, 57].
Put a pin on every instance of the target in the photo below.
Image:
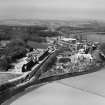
[87, 89]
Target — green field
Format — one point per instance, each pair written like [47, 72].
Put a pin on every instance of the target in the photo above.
[36, 45]
[4, 77]
[96, 37]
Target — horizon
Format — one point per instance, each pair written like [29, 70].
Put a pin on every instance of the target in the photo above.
[58, 20]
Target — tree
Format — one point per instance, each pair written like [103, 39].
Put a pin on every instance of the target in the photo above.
[102, 51]
[102, 48]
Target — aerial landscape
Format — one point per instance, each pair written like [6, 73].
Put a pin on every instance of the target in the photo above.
[53, 60]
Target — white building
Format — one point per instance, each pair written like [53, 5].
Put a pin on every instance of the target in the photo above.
[69, 40]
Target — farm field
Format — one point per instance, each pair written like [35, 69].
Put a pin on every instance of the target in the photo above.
[36, 45]
[96, 37]
[4, 77]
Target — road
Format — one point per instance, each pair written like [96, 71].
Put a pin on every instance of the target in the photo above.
[86, 89]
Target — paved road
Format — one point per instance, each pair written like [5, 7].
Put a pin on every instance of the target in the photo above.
[87, 89]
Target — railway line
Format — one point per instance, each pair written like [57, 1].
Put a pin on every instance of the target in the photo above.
[14, 86]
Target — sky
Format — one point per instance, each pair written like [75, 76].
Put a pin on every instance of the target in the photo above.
[52, 9]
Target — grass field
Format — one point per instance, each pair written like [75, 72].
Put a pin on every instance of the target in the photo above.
[36, 45]
[96, 37]
[4, 77]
